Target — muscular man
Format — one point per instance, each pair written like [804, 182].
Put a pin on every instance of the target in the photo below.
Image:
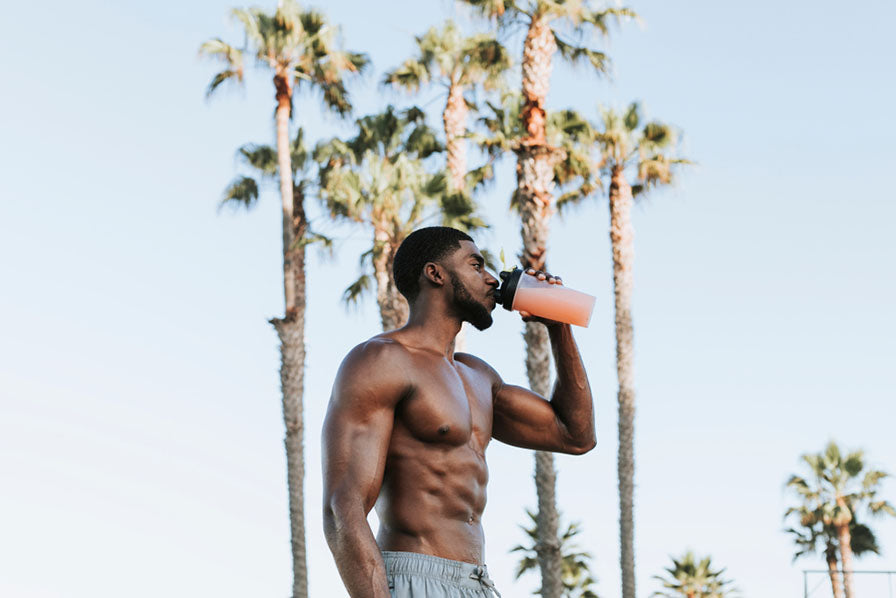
[409, 421]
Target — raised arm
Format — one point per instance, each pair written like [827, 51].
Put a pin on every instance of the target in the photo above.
[564, 424]
[355, 442]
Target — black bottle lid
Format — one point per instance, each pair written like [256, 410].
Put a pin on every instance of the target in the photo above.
[507, 290]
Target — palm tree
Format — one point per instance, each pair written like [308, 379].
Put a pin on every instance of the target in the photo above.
[459, 64]
[300, 48]
[840, 485]
[578, 580]
[690, 578]
[545, 22]
[625, 145]
[565, 131]
[811, 531]
[378, 179]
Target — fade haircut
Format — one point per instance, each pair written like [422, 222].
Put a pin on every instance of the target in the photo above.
[424, 245]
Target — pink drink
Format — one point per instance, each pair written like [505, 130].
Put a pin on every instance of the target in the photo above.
[552, 301]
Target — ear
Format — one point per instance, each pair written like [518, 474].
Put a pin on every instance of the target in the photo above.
[434, 273]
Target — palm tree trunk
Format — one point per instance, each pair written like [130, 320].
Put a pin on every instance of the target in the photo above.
[454, 118]
[291, 331]
[622, 238]
[534, 197]
[392, 304]
[830, 555]
[845, 539]
[535, 205]
[538, 50]
[550, 558]
[534, 187]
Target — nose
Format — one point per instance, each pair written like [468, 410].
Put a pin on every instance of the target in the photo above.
[491, 280]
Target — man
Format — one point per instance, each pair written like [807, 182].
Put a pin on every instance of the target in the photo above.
[409, 421]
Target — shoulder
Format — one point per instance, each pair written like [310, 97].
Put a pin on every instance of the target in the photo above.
[375, 351]
[374, 370]
[481, 367]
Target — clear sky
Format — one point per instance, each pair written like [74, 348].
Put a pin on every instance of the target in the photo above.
[141, 435]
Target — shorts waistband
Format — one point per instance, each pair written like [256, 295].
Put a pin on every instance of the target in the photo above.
[458, 572]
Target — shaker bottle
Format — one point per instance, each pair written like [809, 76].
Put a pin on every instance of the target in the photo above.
[524, 292]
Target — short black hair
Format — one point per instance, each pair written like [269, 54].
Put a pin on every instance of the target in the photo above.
[424, 245]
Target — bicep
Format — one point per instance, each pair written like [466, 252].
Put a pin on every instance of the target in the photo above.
[526, 419]
[356, 432]
[354, 453]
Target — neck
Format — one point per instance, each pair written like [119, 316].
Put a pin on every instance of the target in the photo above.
[432, 326]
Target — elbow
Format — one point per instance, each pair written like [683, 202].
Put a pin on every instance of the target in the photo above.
[329, 520]
[339, 514]
[583, 447]
[333, 519]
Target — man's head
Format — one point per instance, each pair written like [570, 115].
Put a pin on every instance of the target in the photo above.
[443, 257]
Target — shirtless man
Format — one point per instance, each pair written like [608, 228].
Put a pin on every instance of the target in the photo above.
[409, 421]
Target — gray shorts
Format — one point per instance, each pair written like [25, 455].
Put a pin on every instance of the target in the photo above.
[413, 575]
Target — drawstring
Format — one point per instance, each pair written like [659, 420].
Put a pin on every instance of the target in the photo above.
[480, 575]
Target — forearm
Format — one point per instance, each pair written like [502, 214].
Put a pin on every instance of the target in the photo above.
[356, 553]
[571, 398]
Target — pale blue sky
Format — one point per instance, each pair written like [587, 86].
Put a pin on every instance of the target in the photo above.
[141, 435]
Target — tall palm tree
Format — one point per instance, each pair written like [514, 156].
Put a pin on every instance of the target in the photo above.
[626, 146]
[578, 581]
[839, 486]
[378, 179]
[811, 531]
[300, 48]
[690, 578]
[564, 132]
[551, 26]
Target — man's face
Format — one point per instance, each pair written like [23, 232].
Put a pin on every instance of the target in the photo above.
[473, 287]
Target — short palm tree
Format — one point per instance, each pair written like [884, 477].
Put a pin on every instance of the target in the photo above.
[299, 47]
[378, 179]
[459, 64]
[811, 532]
[830, 498]
[690, 578]
[578, 581]
[564, 26]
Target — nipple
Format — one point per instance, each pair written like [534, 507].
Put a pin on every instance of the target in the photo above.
[444, 430]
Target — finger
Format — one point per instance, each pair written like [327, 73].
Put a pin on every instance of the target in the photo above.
[530, 271]
[541, 275]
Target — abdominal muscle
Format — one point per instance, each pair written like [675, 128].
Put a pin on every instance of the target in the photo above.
[432, 498]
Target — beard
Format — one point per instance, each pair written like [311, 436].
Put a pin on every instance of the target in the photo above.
[467, 308]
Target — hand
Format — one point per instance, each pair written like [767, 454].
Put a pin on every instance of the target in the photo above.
[551, 279]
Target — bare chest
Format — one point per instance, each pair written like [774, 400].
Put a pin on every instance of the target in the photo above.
[451, 405]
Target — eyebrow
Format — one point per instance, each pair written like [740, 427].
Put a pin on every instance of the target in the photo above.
[478, 258]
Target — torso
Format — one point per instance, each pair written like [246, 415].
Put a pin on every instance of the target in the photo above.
[434, 486]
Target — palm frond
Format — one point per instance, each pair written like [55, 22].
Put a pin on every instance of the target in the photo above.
[251, 26]
[355, 291]
[232, 57]
[243, 191]
[411, 76]
[261, 157]
[580, 54]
